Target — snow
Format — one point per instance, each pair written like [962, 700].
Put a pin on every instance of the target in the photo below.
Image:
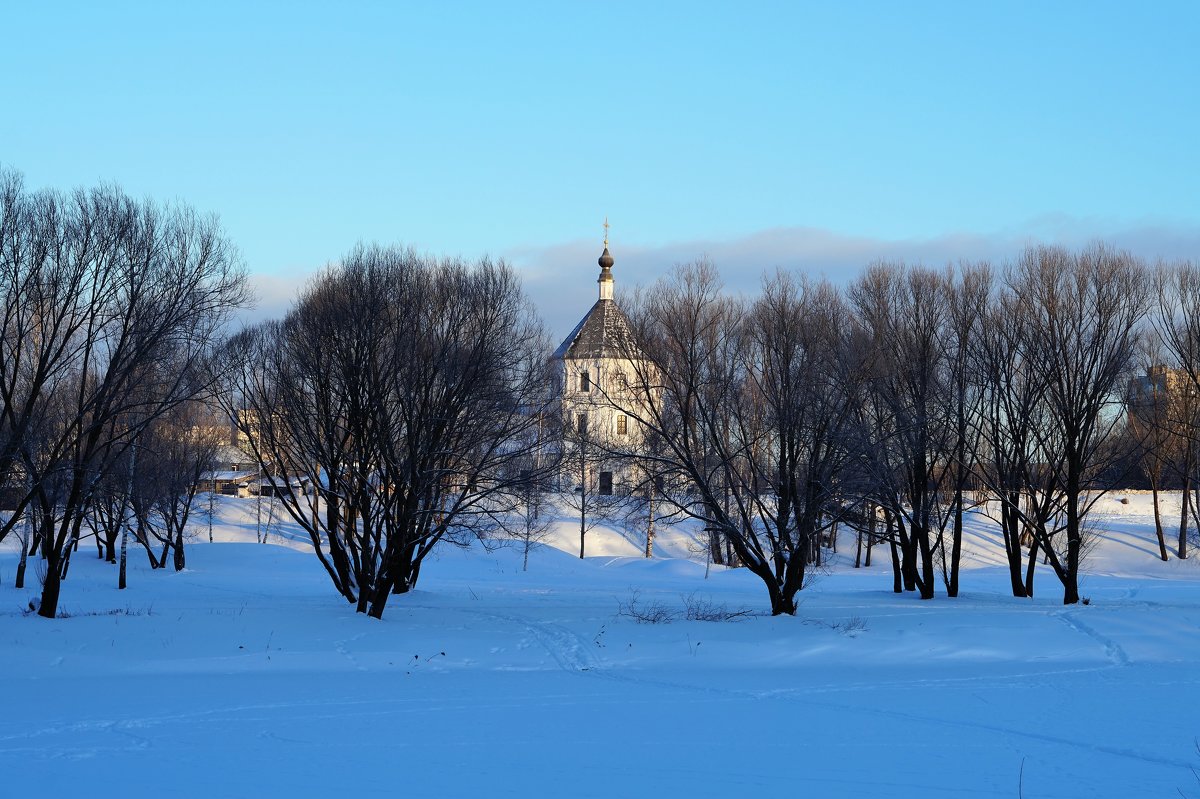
[247, 676]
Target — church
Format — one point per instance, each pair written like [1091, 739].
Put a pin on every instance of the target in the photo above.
[597, 367]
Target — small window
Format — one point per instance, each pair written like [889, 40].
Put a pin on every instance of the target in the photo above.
[622, 424]
[585, 381]
[606, 483]
[581, 423]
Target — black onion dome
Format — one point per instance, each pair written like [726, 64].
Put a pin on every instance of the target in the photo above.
[605, 260]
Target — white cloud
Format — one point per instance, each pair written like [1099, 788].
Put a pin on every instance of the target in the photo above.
[274, 294]
[561, 278]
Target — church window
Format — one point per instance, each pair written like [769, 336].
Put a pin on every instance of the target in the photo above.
[581, 421]
[585, 381]
[606, 483]
[622, 424]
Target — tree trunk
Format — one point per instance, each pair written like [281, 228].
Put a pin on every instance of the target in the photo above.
[650, 520]
[20, 581]
[124, 556]
[1033, 548]
[715, 553]
[73, 545]
[379, 596]
[897, 576]
[1158, 528]
[870, 539]
[406, 571]
[1183, 517]
[956, 543]
[51, 587]
[337, 550]
[66, 562]
[926, 583]
[1010, 522]
[897, 570]
[782, 602]
[908, 555]
[582, 530]
[28, 522]
[1074, 537]
[316, 506]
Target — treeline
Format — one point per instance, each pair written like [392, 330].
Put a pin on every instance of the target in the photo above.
[110, 306]
[417, 397]
[895, 404]
[418, 394]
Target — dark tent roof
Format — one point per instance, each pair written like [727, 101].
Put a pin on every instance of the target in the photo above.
[603, 333]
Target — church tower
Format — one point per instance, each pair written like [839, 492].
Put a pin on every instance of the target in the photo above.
[596, 365]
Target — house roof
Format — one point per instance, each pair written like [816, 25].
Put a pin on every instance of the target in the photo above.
[227, 453]
[228, 475]
[603, 333]
[271, 480]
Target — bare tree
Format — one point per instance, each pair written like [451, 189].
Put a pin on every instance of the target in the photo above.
[1176, 320]
[99, 291]
[643, 512]
[968, 295]
[746, 406]
[1015, 458]
[529, 519]
[583, 460]
[1162, 417]
[178, 449]
[907, 432]
[805, 370]
[534, 522]
[403, 387]
[1084, 314]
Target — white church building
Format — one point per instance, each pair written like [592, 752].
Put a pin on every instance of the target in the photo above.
[597, 370]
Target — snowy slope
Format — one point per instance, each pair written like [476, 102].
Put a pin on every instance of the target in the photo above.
[247, 676]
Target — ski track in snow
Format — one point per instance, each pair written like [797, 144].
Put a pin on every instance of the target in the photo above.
[573, 653]
[1114, 651]
[567, 649]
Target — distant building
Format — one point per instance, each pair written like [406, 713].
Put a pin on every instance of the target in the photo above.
[598, 366]
[245, 429]
[235, 473]
[1163, 397]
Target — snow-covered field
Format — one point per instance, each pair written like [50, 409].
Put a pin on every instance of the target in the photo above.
[247, 676]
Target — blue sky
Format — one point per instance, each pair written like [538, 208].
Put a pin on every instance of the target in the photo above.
[806, 135]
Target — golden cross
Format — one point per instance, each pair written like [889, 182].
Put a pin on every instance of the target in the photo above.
[606, 232]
